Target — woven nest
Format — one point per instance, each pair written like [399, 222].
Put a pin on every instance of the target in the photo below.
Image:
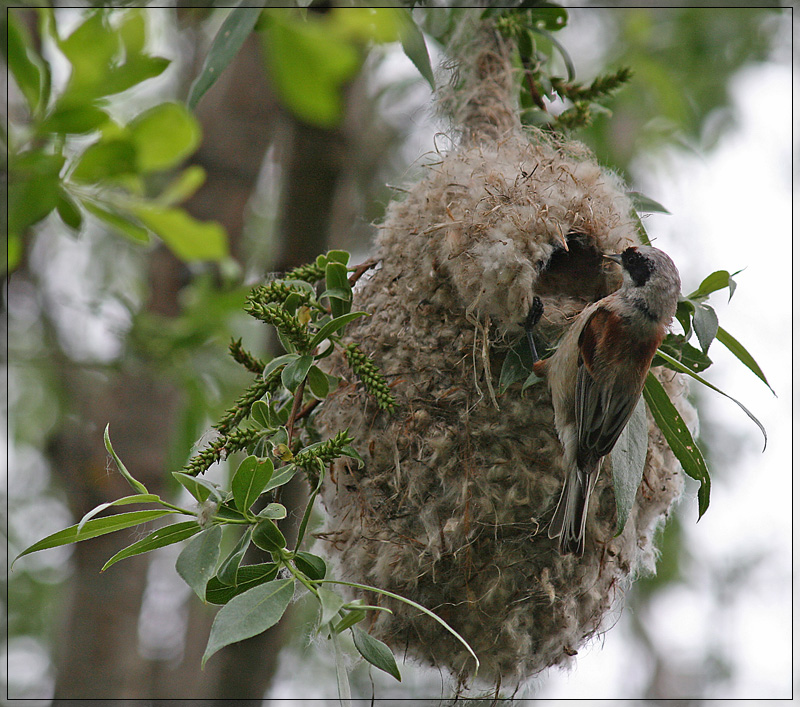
[452, 506]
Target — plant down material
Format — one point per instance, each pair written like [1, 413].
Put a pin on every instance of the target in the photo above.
[460, 482]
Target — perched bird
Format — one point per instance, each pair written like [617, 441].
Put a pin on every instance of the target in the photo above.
[597, 373]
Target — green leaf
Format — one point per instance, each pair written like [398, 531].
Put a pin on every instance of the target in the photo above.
[90, 49]
[331, 602]
[124, 224]
[137, 69]
[308, 66]
[627, 463]
[249, 481]
[729, 342]
[134, 484]
[261, 413]
[318, 382]
[26, 67]
[34, 188]
[183, 186]
[68, 211]
[548, 15]
[163, 136]
[312, 566]
[268, 537]
[282, 476]
[74, 120]
[198, 561]
[645, 205]
[334, 325]
[678, 366]
[413, 43]
[375, 652]
[228, 570]
[230, 38]
[336, 280]
[247, 577]
[14, 251]
[336, 256]
[718, 280]
[249, 614]
[275, 511]
[168, 535]
[95, 528]
[419, 607]
[296, 371]
[677, 347]
[191, 240]
[705, 325]
[199, 487]
[104, 160]
[679, 438]
[283, 360]
[125, 501]
[351, 618]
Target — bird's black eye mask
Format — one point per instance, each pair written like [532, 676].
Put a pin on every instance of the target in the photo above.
[639, 267]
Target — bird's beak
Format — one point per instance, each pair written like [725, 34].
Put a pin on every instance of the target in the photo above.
[613, 256]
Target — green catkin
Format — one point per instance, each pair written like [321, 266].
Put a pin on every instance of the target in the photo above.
[363, 366]
[222, 447]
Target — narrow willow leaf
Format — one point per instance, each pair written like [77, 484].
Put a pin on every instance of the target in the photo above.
[168, 535]
[135, 485]
[334, 325]
[281, 477]
[645, 205]
[627, 463]
[249, 614]
[729, 342]
[413, 42]
[198, 561]
[679, 438]
[375, 652]
[419, 607]
[94, 528]
[230, 38]
[137, 498]
[318, 382]
[678, 366]
[718, 280]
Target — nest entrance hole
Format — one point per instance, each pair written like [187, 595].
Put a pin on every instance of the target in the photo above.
[578, 272]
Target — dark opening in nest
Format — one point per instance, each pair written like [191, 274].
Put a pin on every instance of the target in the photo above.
[578, 272]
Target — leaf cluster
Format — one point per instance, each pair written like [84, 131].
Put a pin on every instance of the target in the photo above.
[309, 318]
[70, 156]
[530, 27]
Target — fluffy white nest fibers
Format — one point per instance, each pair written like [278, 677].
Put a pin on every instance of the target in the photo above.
[451, 509]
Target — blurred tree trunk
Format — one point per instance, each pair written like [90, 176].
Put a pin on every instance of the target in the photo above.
[97, 653]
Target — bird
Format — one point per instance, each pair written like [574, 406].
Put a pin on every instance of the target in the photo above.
[597, 373]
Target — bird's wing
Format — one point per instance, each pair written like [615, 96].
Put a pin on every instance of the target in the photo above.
[604, 400]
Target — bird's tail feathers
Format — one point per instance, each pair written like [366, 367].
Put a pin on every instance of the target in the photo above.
[569, 520]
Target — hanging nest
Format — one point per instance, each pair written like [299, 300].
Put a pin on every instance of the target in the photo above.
[452, 506]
